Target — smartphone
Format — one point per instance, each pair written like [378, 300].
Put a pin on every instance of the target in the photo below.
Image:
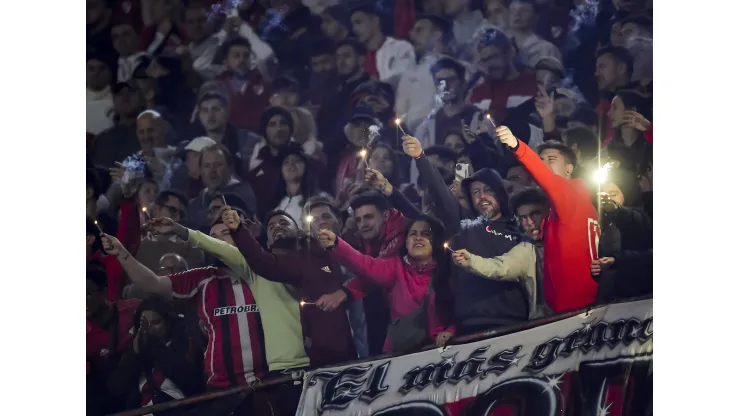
[462, 171]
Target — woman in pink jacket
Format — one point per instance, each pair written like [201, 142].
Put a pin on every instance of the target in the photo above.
[405, 278]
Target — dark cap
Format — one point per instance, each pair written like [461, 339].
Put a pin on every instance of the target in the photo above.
[369, 7]
[120, 86]
[354, 43]
[443, 24]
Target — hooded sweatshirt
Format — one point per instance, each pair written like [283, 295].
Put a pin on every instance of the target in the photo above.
[481, 302]
[404, 282]
[571, 233]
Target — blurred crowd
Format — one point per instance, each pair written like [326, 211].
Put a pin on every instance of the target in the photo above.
[277, 185]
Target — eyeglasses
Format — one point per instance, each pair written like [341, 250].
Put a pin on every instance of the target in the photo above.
[177, 210]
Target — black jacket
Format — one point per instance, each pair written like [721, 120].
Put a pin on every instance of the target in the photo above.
[480, 301]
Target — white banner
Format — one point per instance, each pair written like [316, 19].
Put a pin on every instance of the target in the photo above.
[600, 362]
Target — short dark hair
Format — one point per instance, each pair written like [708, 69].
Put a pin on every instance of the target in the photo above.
[321, 46]
[449, 63]
[566, 151]
[372, 197]
[494, 37]
[586, 140]
[218, 147]
[234, 201]
[213, 96]
[275, 213]
[586, 115]
[164, 196]
[620, 54]
[322, 199]
[528, 196]
[443, 152]
[96, 272]
[354, 44]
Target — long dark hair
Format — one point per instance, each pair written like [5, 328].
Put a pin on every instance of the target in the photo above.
[440, 277]
[181, 327]
[308, 183]
[395, 177]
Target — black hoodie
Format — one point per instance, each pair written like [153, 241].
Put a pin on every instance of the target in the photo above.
[480, 302]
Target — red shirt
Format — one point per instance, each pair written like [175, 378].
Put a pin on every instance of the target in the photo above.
[371, 65]
[129, 234]
[235, 353]
[249, 97]
[524, 85]
[571, 234]
[99, 339]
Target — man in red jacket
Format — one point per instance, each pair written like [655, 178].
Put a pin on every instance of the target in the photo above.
[571, 231]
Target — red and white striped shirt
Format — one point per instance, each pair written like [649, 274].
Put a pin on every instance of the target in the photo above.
[235, 354]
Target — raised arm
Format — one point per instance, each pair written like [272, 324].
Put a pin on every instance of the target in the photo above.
[441, 194]
[223, 251]
[396, 198]
[558, 189]
[144, 278]
[262, 263]
[379, 271]
[520, 261]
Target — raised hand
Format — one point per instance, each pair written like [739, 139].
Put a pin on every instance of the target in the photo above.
[376, 179]
[442, 339]
[116, 175]
[331, 301]
[506, 136]
[468, 134]
[412, 146]
[327, 238]
[230, 218]
[461, 257]
[112, 246]
[636, 120]
[544, 103]
[608, 204]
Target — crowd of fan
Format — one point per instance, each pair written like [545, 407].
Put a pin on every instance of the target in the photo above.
[284, 185]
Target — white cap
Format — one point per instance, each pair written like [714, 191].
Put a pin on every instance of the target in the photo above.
[199, 143]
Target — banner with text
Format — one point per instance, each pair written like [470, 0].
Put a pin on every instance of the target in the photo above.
[598, 363]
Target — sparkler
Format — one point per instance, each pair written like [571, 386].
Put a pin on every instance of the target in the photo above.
[398, 124]
[447, 247]
[363, 155]
[311, 225]
[99, 229]
[488, 116]
[304, 303]
[223, 198]
[144, 210]
[602, 174]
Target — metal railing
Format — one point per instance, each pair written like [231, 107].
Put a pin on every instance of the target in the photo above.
[273, 381]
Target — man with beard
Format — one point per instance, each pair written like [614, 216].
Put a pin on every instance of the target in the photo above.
[571, 231]
[381, 230]
[500, 83]
[482, 304]
[323, 72]
[217, 175]
[301, 262]
[322, 211]
[415, 96]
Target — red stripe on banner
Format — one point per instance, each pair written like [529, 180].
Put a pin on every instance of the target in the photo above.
[236, 340]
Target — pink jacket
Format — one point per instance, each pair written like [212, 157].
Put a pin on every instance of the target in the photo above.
[405, 283]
